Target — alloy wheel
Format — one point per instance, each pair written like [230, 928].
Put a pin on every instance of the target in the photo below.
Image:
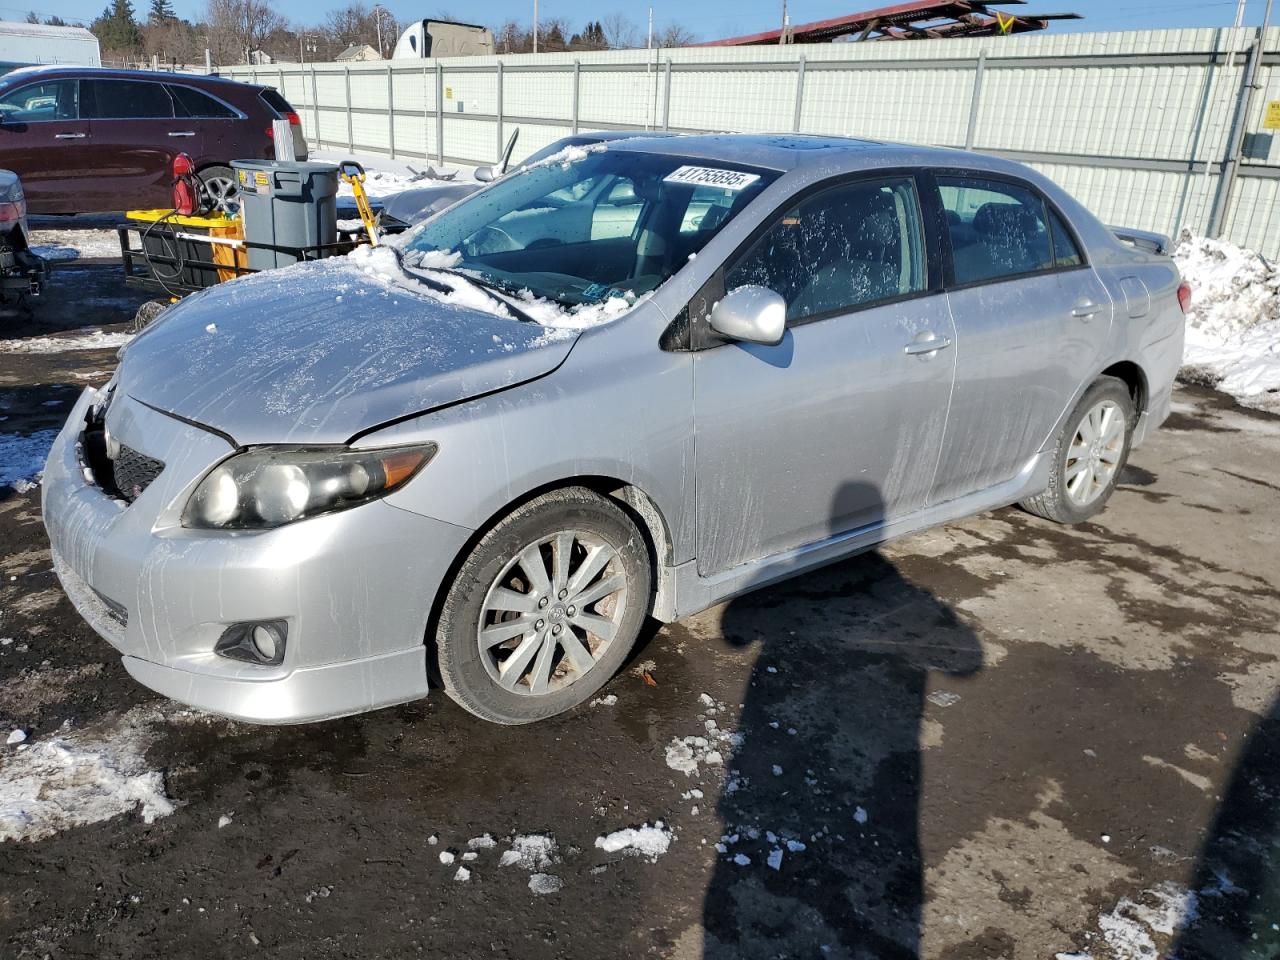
[1095, 452]
[552, 612]
[219, 191]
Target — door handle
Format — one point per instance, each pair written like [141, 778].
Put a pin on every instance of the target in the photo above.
[1086, 309]
[69, 136]
[929, 343]
[182, 133]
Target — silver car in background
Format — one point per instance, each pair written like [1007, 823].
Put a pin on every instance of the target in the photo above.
[631, 381]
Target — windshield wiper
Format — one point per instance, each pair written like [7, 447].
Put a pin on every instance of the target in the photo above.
[490, 288]
[446, 288]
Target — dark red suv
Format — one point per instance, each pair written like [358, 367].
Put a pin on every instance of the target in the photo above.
[89, 140]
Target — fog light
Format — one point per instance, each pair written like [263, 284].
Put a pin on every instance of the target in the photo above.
[260, 642]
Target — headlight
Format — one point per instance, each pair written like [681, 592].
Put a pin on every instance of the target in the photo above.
[270, 486]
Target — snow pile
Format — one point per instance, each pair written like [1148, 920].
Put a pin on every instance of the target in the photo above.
[382, 183]
[542, 884]
[22, 458]
[75, 244]
[92, 340]
[1233, 326]
[685, 754]
[80, 778]
[531, 851]
[643, 841]
[1127, 929]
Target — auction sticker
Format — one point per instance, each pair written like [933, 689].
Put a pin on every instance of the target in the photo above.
[712, 177]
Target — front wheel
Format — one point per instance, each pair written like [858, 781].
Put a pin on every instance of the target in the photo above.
[1090, 454]
[545, 608]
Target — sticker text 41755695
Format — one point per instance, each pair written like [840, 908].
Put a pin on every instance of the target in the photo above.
[712, 177]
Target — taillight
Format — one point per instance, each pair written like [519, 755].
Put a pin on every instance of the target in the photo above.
[294, 119]
[1184, 296]
[10, 212]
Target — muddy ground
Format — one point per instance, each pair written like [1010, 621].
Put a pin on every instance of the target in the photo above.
[1000, 739]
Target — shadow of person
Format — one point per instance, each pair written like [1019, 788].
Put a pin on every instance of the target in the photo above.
[820, 808]
[1237, 881]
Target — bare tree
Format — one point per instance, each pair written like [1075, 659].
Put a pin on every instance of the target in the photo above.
[675, 35]
[620, 31]
[237, 27]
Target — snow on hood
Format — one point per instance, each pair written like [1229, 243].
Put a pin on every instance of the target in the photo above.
[1233, 326]
[321, 351]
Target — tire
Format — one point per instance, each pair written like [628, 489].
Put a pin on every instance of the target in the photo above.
[515, 679]
[1079, 487]
[147, 314]
[212, 182]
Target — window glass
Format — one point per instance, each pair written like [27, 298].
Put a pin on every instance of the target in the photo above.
[997, 229]
[126, 100]
[845, 247]
[1065, 251]
[594, 225]
[188, 102]
[51, 100]
[276, 102]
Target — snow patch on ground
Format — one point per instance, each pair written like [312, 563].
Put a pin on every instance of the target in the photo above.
[22, 458]
[1233, 326]
[643, 841]
[81, 777]
[75, 244]
[1128, 929]
[531, 851]
[89, 340]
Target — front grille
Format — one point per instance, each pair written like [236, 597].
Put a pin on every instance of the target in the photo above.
[133, 472]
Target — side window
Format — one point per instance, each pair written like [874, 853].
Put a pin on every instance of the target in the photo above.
[1065, 251]
[51, 100]
[126, 100]
[846, 247]
[189, 102]
[997, 229]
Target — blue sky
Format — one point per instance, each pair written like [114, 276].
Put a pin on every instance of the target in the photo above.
[717, 19]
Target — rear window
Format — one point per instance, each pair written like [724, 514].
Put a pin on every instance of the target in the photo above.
[276, 102]
[189, 102]
[124, 100]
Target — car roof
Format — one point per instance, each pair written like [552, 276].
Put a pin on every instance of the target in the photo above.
[787, 152]
[65, 70]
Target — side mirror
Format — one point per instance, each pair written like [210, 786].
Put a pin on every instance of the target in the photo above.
[485, 174]
[752, 313]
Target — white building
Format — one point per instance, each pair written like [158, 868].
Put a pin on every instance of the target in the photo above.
[29, 44]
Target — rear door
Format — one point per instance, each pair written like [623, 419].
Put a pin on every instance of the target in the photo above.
[1033, 320]
[46, 143]
[839, 426]
[206, 126]
[136, 136]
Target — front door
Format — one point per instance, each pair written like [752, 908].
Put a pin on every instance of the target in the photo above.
[1034, 319]
[46, 143]
[839, 426]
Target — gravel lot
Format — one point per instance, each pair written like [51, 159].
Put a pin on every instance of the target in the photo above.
[1002, 738]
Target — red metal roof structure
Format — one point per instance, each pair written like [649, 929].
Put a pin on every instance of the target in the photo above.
[918, 20]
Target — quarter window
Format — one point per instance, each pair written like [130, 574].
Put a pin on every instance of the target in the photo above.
[51, 100]
[188, 102]
[126, 100]
[997, 230]
[1065, 251]
[848, 246]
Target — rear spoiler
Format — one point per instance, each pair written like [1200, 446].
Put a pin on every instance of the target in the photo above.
[1144, 240]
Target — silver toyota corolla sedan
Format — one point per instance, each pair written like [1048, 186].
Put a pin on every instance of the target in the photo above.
[630, 381]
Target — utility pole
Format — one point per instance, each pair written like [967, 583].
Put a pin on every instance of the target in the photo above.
[535, 26]
[782, 34]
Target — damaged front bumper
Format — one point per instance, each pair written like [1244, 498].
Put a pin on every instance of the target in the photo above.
[354, 588]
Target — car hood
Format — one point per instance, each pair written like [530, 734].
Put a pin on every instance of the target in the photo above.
[322, 351]
[416, 204]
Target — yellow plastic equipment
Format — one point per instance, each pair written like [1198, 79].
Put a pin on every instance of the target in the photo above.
[229, 255]
[353, 173]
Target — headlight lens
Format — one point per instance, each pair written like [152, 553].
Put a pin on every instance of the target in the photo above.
[269, 486]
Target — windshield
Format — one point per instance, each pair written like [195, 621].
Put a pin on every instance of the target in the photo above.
[590, 227]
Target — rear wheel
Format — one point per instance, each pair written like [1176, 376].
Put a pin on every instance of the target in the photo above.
[1090, 454]
[545, 608]
[218, 187]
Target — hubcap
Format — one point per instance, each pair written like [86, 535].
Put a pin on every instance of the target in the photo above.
[1094, 454]
[552, 612]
